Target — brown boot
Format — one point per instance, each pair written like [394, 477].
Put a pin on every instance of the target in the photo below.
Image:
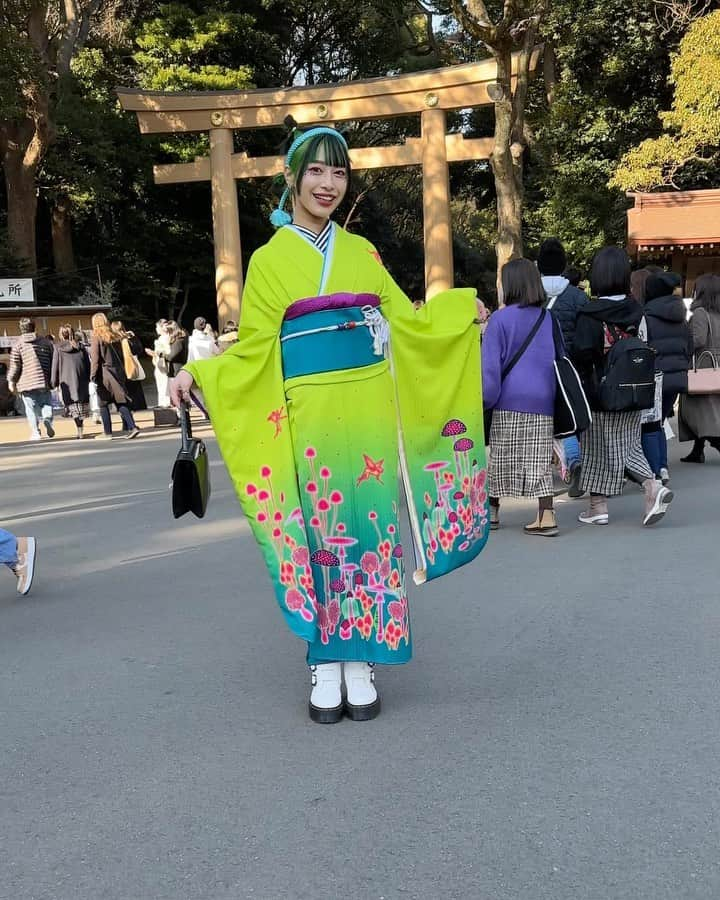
[545, 524]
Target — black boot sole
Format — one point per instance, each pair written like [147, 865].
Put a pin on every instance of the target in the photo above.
[363, 713]
[693, 459]
[324, 716]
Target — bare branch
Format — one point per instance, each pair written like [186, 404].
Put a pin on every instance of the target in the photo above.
[677, 15]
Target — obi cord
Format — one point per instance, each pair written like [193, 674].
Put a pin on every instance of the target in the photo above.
[295, 158]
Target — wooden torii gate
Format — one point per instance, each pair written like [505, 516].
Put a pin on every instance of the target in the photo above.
[430, 93]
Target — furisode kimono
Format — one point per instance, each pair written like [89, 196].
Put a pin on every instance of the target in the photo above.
[313, 411]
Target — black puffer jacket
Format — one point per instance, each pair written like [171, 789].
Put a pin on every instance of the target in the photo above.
[566, 307]
[669, 335]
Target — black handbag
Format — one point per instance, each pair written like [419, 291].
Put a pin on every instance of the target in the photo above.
[572, 411]
[191, 474]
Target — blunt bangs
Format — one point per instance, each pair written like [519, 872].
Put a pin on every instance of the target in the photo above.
[322, 148]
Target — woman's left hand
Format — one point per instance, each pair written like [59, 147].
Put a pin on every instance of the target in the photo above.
[482, 310]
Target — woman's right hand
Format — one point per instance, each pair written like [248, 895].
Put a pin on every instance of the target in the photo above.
[180, 388]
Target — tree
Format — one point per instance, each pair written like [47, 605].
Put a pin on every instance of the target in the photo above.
[514, 28]
[38, 39]
[691, 139]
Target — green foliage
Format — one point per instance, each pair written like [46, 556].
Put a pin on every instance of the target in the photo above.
[612, 62]
[692, 125]
[178, 50]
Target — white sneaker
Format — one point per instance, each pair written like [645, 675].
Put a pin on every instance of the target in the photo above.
[326, 706]
[362, 702]
[24, 568]
[657, 504]
[36, 436]
[664, 476]
[591, 518]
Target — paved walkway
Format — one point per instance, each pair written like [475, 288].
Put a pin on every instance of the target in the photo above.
[556, 737]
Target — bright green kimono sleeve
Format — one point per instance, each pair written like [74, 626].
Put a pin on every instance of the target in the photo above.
[243, 392]
[435, 357]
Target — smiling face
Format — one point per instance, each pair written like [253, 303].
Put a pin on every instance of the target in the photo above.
[319, 178]
[322, 190]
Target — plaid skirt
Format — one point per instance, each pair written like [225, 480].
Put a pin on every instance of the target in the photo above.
[521, 448]
[77, 410]
[610, 447]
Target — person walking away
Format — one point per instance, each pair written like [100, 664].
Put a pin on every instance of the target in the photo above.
[665, 329]
[311, 418]
[519, 386]
[71, 376]
[612, 444]
[132, 346]
[159, 355]
[564, 301]
[178, 352]
[201, 344]
[699, 418]
[107, 370]
[30, 374]
[19, 554]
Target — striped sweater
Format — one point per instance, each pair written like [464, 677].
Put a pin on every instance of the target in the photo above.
[31, 363]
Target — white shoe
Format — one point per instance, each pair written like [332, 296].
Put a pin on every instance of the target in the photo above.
[36, 436]
[590, 518]
[657, 503]
[664, 476]
[326, 706]
[362, 701]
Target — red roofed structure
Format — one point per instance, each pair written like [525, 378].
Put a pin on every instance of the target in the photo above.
[680, 229]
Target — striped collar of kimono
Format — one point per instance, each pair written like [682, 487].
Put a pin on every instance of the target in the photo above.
[319, 241]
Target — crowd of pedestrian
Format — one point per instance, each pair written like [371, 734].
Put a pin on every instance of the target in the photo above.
[87, 375]
[632, 346]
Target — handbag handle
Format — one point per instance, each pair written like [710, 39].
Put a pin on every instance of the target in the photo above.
[699, 356]
[185, 425]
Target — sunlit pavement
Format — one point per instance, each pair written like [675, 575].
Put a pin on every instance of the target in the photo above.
[557, 735]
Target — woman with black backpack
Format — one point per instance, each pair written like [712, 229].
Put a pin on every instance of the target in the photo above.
[618, 373]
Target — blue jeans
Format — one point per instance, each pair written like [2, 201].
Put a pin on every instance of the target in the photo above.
[8, 548]
[572, 450]
[654, 444]
[38, 405]
[125, 415]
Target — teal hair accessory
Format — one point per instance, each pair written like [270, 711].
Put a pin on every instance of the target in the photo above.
[279, 216]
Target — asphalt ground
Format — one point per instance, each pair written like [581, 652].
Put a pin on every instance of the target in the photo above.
[557, 735]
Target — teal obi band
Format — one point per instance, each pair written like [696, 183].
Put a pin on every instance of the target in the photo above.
[346, 343]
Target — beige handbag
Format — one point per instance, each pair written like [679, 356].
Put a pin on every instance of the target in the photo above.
[704, 381]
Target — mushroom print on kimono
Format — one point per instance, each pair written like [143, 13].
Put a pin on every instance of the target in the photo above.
[455, 516]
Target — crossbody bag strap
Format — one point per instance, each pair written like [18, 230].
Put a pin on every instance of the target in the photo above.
[523, 347]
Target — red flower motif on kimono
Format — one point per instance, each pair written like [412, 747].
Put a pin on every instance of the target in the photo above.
[369, 562]
[294, 600]
[301, 556]
[365, 625]
[392, 635]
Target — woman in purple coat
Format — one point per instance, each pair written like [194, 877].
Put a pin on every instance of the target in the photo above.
[522, 397]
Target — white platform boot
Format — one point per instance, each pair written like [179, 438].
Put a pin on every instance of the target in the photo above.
[362, 701]
[326, 706]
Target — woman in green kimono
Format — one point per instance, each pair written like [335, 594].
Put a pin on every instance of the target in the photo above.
[336, 378]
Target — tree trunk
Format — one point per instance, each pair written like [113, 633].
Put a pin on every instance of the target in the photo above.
[21, 197]
[62, 237]
[507, 166]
